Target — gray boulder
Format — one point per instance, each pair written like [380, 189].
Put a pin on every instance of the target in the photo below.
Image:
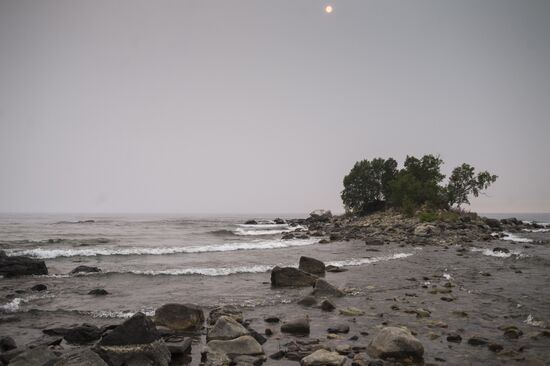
[296, 326]
[323, 288]
[312, 265]
[137, 330]
[180, 316]
[227, 310]
[226, 328]
[21, 266]
[82, 334]
[291, 277]
[322, 357]
[39, 356]
[80, 357]
[393, 342]
[320, 215]
[244, 345]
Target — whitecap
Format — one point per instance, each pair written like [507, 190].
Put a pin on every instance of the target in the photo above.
[265, 226]
[217, 271]
[123, 314]
[47, 253]
[536, 230]
[489, 252]
[533, 322]
[361, 261]
[515, 238]
[14, 305]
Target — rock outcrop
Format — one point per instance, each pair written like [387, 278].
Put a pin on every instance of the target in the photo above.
[21, 266]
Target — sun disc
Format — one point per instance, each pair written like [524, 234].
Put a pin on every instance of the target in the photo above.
[328, 9]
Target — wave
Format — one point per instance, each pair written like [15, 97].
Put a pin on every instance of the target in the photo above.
[265, 226]
[499, 254]
[536, 230]
[47, 253]
[361, 261]
[515, 238]
[14, 305]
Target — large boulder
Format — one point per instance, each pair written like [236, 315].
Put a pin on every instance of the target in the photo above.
[493, 223]
[7, 344]
[291, 277]
[38, 356]
[397, 343]
[296, 326]
[82, 334]
[323, 288]
[225, 329]
[180, 316]
[312, 265]
[244, 345]
[322, 357]
[320, 215]
[80, 357]
[21, 266]
[227, 310]
[136, 341]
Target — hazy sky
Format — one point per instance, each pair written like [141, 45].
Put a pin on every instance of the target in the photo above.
[264, 106]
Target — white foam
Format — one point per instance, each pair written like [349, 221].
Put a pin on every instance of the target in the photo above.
[536, 230]
[515, 238]
[447, 276]
[218, 271]
[124, 314]
[491, 253]
[265, 229]
[47, 253]
[14, 305]
[265, 226]
[535, 323]
[361, 261]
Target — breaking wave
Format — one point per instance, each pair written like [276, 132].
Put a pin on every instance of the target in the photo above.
[489, 252]
[47, 253]
[14, 305]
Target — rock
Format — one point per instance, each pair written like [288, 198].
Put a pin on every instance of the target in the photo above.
[251, 222]
[257, 336]
[85, 269]
[320, 216]
[343, 349]
[324, 241]
[246, 360]
[312, 265]
[323, 288]
[454, 338]
[21, 266]
[492, 223]
[39, 356]
[288, 236]
[308, 301]
[179, 316]
[512, 332]
[296, 326]
[351, 311]
[373, 241]
[339, 329]
[422, 313]
[327, 305]
[425, 230]
[393, 342]
[227, 310]
[98, 292]
[80, 357]
[39, 287]
[291, 277]
[6, 344]
[83, 334]
[226, 328]
[137, 330]
[6, 357]
[334, 269]
[501, 250]
[322, 357]
[150, 354]
[216, 359]
[272, 319]
[495, 347]
[179, 346]
[245, 345]
[477, 341]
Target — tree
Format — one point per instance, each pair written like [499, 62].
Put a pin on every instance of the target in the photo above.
[367, 186]
[464, 182]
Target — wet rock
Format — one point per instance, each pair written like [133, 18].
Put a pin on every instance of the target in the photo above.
[216, 359]
[272, 319]
[226, 328]
[137, 330]
[98, 292]
[308, 301]
[155, 354]
[454, 338]
[245, 345]
[512, 332]
[291, 277]
[246, 360]
[370, 241]
[7, 343]
[492, 223]
[21, 266]
[327, 305]
[39, 356]
[85, 333]
[251, 222]
[393, 342]
[323, 288]
[312, 265]
[257, 336]
[226, 310]
[334, 269]
[80, 357]
[495, 347]
[324, 241]
[178, 345]
[39, 287]
[501, 250]
[268, 332]
[422, 313]
[277, 355]
[6, 357]
[180, 316]
[296, 326]
[477, 341]
[343, 349]
[85, 269]
[351, 311]
[288, 236]
[339, 329]
[322, 357]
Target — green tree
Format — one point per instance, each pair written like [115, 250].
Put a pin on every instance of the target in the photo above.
[464, 182]
[367, 186]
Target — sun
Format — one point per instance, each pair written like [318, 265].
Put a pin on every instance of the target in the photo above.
[328, 9]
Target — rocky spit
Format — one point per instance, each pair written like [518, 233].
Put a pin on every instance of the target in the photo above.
[471, 295]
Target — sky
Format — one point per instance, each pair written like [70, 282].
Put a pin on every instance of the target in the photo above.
[244, 106]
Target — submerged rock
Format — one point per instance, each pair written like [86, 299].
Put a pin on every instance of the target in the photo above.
[393, 342]
[21, 266]
[40, 287]
[478, 341]
[226, 328]
[323, 288]
[180, 316]
[323, 357]
[98, 292]
[327, 305]
[296, 326]
[312, 265]
[7, 343]
[85, 269]
[308, 301]
[291, 277]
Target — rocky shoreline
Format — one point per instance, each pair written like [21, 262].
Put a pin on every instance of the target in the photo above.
[415, 316]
